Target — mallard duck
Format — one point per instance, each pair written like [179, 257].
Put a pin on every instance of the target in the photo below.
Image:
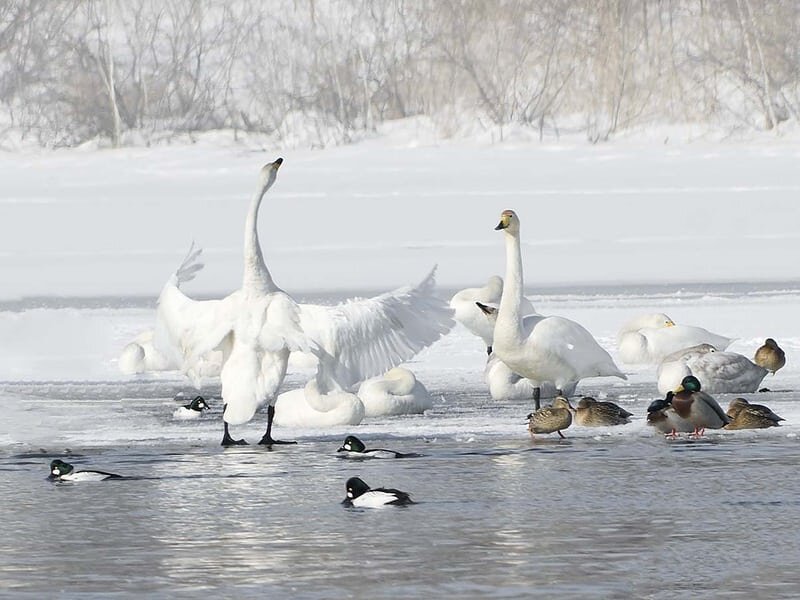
[697, 407]
[750, 416]
[591, 413]
[770, 356]
[552, 418]
[661, 415]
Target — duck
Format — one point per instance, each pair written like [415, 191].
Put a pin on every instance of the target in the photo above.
[63, 471]
[591, 413]
[465, 312]
[551, 349]
[770, 356]
[360, 495]
[355, 448]
[662, 416]
[648, 339]
[718, 372]
[396, 392]
[744, 415]
[552, 418]
[193, 410]
[697, 407]
[308, 407]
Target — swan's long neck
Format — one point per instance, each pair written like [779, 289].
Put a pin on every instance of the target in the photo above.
[256, 275]
[399, 381]
[508, 326]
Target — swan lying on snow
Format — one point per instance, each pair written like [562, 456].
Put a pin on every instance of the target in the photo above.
[396, 392]
[540, 348]
[306, 407]
[718, 372]
[648, 339]
[467, 313]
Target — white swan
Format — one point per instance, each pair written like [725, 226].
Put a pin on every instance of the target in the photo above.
[396, 392]
[351, 341]
[504, 384]
[551, 349]
[718, 372]
[358, 339]
[153, 350]
[255, 327]
[306, 407]
[467, 313]
[647, 339]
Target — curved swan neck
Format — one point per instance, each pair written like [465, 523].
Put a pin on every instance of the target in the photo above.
[399, 381]
[256, 275]
[508, 315]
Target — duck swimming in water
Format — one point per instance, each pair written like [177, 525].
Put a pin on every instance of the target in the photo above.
[360, 495]
[63, 471]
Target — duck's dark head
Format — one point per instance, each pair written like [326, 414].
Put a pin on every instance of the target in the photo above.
[690, 383]
[355, 487]
[660, 404]
[352, 444]
[58, 468]
[199, 404]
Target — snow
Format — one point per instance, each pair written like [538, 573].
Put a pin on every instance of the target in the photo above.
[705, 232]
[379, 213]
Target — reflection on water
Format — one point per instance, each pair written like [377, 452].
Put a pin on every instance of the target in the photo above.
[639, 516]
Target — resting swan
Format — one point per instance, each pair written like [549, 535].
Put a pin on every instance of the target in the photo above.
[551, 349]
[396, 392]
[306, 407]
[718, 372]
[649, 338]
[466, 312]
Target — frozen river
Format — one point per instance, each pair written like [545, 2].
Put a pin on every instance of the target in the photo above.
[609, 512]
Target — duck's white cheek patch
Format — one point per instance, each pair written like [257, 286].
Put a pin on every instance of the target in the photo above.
[571, 346]
[349, 494]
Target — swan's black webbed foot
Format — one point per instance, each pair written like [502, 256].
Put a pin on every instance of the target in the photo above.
[227, 440]
[267, 440]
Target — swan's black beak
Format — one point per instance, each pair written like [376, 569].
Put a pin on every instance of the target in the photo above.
[278, 162]
[487, 310]
[501, 225]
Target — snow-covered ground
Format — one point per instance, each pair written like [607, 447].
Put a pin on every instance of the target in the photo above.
[378, 214]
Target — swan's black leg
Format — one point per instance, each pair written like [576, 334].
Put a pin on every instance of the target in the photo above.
[488, 350]
[227, 440]
[537, 393]
[267, 439]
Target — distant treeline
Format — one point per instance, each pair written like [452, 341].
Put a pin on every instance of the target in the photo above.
[330, 70]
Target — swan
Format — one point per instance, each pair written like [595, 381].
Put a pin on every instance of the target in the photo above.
[396, 392]
[466, 312]
[153, 350]
[551, 349]
[351, 341]
[503, 383]
[647, 339]
[256, 328]
[307, 407]
[718, 372]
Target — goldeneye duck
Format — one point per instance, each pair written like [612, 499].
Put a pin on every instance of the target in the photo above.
[62, 471]
[360, 495]
[355, 448]
[193, 410]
